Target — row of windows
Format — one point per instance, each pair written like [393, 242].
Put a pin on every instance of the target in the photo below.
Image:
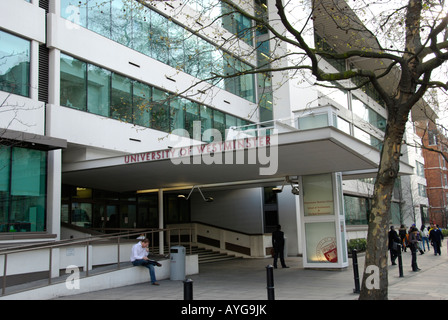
[146, 31]
[14, 64]
[22, 189]
[90, 88]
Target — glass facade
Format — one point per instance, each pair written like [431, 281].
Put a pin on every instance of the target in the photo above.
[96, 90]
[106, 210]
[22, 189]
[356, 210]
[14, 64]
[138, 27]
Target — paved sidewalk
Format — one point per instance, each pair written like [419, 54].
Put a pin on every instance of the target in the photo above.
[245, 279]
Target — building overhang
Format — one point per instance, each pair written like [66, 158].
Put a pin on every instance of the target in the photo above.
[31, 140]
[315, 151]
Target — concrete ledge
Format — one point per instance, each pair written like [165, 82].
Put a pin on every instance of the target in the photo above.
[113, 279]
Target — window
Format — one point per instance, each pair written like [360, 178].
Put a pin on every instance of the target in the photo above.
[73, 83]
[98, 15]
[177, 114]
[99, 91]
[395, 213]
[206, 123]
[356, 210]
[141, 101]
[432, 136]
[420, 169]
[22, 189]
[14, 64]
[121, 98]
[191, 115]
[236, 23]
[74, 11]
[160, 106]
[367, 114]
[422, 190]
[98, 99]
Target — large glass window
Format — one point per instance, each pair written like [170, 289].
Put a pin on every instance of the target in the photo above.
[98, 99]
[73, 83]
[22, 189]
[96, 90]
[98, 15]
[177, 114]
[141, 103]
[356, 210]
[206, 123]
[74, 11]
[121, 98]
[219, 122]
[160, 107]
[14, 64]
[136, 26]
[142, 30]
[159, 37]
[192, 115]
[121, 22]
[367, 114]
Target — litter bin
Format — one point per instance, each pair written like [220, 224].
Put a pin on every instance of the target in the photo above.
[177, 263]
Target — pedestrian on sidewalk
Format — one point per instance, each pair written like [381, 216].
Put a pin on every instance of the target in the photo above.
[403, 236]
[278, 242]
[436, 237]
[425, 237]
[413, 241]
[394, 240]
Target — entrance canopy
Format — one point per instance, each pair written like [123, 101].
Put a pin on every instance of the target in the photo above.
[249, 161]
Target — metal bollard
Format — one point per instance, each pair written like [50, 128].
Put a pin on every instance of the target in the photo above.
[400, 262]
[270, 282]
[188, 289]
[356, 271]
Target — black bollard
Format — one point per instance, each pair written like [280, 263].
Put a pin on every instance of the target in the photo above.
[270, 282]
[400, 262]
[188, 289]
[356, 271]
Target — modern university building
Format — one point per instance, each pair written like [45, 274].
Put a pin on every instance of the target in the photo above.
[102, 128]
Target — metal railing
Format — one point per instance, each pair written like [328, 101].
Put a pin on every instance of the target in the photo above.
[88, 241]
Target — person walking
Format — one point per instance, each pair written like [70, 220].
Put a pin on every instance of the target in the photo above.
[436, 237]
[278, 242]
[425, 237]
[394, 240]
[413, 243]
[403, 236]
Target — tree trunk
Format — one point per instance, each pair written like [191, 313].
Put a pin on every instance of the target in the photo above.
[375, 279]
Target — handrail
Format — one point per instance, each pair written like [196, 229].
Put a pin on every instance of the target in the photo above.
[87, 241]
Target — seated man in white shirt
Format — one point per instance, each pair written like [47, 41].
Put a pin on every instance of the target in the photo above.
[139, 257]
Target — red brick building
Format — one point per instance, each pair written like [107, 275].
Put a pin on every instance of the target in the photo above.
[435, 153]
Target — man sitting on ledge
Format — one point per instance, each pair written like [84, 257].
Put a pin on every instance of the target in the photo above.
[139, 257]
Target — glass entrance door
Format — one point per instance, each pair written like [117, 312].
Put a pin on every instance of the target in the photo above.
[105, 217]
